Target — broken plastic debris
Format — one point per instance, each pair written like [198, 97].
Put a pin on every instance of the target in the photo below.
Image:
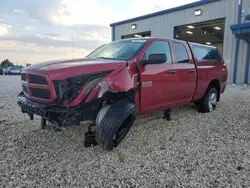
[104, 88]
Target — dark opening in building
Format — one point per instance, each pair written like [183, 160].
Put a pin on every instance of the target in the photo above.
[210, 33]
[137, 35]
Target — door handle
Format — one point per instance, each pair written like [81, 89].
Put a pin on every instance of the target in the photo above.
[191, 70]
[171, 72]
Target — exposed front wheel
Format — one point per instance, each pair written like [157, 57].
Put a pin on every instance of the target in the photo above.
[209, 101]
[113, 123]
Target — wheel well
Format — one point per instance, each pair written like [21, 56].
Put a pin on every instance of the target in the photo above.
[216, 84]
[117, 96]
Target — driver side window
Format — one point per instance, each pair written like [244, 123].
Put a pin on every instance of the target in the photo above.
[159, 47]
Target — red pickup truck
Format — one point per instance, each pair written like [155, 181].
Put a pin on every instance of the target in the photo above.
[119, 81]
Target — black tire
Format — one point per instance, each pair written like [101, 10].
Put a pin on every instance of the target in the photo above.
[197, 103]
[209, 101]
[112, 128]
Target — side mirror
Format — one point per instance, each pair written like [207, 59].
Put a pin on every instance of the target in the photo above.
[155, 59]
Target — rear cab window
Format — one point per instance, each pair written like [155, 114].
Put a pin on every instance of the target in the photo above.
[206, 53]
[181, 53]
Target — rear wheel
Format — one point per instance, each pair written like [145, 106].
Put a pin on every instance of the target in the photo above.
[209, 101]
[113, 123]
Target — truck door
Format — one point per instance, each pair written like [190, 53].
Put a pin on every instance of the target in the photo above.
[158, 81]
[185, 72]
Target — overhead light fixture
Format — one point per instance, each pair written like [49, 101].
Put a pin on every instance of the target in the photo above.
[189, 32]
[190, 27]
[198, 12]
[137, 35]
[133, 26]
[217, 28]
[208, 43]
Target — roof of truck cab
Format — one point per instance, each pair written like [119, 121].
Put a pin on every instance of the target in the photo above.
[149, 38]
[165, 38]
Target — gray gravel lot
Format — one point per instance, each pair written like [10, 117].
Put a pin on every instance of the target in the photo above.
[193, 150]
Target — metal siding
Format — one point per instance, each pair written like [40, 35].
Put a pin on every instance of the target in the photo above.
[243, 46]
[179, 8]
[247, 65]
[156, 24]
[241, 64]
[249, 74]
[163, 26]
[229, 39]
[246, 9]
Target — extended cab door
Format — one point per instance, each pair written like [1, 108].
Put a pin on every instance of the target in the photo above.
[186, 73]
[158, 81]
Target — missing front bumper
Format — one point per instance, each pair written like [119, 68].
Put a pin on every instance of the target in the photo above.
[30, 107]
[62, 115]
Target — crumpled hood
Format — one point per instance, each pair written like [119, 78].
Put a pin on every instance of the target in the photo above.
[58, 70]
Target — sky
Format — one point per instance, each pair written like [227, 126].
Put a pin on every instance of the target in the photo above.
[33, 31]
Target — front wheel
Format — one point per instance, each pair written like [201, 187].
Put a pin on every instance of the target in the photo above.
[209, 101]
[113, 123]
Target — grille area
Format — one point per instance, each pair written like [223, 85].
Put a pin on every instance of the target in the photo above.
[37, 86]
[40, 93]
[36, 79]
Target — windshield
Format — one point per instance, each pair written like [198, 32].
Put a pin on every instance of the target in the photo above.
[120, 50]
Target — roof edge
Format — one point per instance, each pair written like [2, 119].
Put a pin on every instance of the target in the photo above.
[245, 25]
[182, 7]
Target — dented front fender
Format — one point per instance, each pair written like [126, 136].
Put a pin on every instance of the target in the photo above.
[122, 81]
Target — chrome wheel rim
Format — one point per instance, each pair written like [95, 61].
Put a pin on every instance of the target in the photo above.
[212, 101]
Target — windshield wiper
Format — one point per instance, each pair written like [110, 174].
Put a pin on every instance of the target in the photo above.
[105, 57]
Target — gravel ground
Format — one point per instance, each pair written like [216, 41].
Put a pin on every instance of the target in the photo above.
[193, 150]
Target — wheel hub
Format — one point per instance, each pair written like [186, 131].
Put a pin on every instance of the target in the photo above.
[212, 101]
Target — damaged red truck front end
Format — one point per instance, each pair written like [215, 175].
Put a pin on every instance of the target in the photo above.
[65, 92]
